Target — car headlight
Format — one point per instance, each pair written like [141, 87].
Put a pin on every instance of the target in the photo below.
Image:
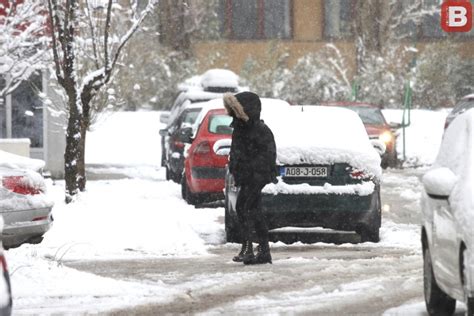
[386, 137]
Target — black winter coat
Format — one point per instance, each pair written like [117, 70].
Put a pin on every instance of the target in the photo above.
[253, 153]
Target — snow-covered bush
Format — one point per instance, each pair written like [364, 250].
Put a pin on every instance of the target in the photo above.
[442, 76]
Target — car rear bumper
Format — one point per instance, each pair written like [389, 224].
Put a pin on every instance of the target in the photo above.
[207, 180]
[346, 212]
[31, 228]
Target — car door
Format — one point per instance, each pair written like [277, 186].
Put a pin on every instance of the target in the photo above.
[444, 230]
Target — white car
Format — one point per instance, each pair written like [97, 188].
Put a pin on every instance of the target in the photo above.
[448, 221]
[24, 204]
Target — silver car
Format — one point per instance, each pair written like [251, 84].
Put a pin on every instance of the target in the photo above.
[24, 204]
[448, 221]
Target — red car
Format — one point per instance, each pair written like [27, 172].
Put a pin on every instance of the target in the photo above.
[207, 156]
[376, 127]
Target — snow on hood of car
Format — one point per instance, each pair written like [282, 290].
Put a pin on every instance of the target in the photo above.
[219, 78]
[322, 135]
[9, 160]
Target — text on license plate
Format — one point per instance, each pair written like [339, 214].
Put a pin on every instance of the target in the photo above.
[306, 172]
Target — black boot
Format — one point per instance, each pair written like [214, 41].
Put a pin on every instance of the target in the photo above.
[263, 255]
[245, 252]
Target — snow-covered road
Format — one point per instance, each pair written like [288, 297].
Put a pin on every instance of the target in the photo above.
[317, 279]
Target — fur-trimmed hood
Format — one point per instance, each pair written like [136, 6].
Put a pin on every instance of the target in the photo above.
[245, 106]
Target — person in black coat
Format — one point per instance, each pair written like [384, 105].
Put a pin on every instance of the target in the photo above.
[252, 162]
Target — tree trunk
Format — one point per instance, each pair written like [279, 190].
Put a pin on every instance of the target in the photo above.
[73, 139]
[173, 32]
[81, 162]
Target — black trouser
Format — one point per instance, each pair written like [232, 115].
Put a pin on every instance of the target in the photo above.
[249, 212]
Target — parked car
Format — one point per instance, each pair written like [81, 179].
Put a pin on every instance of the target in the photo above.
[24, 204]
[5, 286]
[447, 234]
[466, 103]
[211, 85]
[173, 146]
[329, 174]
[208, 153]
[376, 127]
[204, 169]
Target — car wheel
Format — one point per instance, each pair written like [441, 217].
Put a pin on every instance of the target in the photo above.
[437, 302]
[470, 306]
[371, 232]
[188, 196]
[231, 231]
[168, 174]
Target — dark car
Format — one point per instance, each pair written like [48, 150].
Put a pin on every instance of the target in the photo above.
[5, 286]
[376, 127]
[173, 144]
[329, 174]
[462, 106]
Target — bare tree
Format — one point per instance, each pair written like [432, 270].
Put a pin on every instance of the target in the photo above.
[72, 45]
[23, 42]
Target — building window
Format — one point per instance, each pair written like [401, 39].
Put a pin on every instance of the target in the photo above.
[256, 19]
[338, 18]
[27, 111]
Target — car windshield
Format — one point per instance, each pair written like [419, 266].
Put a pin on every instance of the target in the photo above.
[368, 115]
[190, 117]
[463, 106]
[220, 124]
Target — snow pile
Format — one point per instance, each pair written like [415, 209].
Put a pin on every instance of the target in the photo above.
[222, 78]
[363, 189]
[129, 218]
[8, 160]
[41, 286]
[125, 138]
[422, 137]
[322, 135]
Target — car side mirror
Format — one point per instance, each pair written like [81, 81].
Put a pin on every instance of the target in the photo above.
[185, 135]
[164, 117]
[222, 147]
[439, 183]
[379, 146]
[164, 132]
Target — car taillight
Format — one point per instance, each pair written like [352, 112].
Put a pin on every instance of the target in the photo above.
[178, 144]
[17, 184]
[203, 148]
[358, 174]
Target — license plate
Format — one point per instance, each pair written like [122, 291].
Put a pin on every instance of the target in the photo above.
[307, 172]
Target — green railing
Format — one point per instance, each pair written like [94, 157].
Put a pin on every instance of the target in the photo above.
[406, 118]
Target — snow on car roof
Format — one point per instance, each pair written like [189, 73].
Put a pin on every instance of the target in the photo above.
[12, 161]
[219, 78]
[322, 135]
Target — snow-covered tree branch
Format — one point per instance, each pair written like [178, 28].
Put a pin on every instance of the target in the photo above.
[23, 41]
[79, 32]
